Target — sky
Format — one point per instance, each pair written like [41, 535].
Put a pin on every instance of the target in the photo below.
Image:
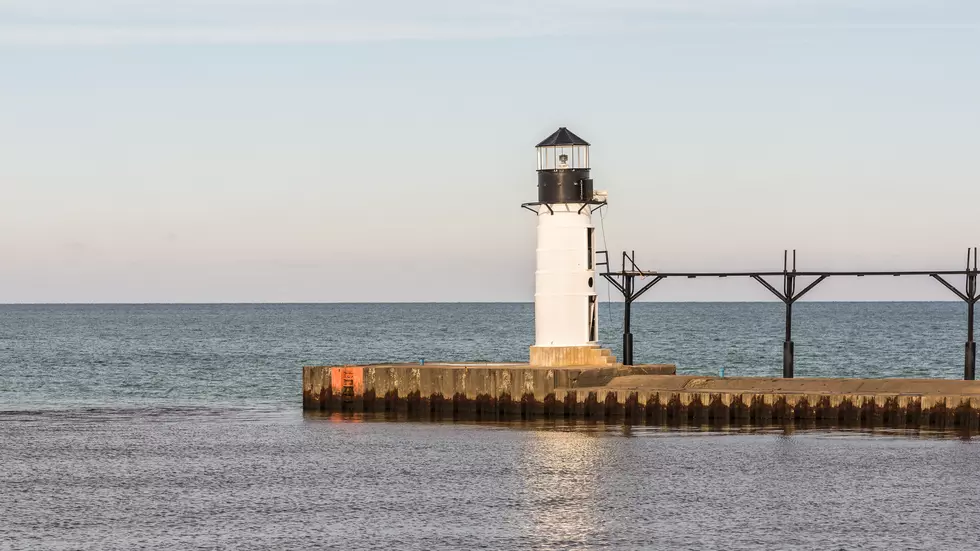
[379, 150]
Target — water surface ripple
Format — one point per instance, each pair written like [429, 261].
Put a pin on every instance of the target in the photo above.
[179, 427]
[251, 354]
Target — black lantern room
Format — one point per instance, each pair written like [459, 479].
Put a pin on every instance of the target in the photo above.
[563, 169]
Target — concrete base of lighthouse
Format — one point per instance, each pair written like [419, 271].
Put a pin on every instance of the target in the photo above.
[569, 356]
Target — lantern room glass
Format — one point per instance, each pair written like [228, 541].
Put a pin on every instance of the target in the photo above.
[561, 157]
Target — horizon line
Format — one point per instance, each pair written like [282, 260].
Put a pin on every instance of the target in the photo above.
[353, 303]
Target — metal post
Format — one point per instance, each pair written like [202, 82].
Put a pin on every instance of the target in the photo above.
[970, 356]
[627, 335]
[970, 349]
[788, 343]
[970, 363]
[789, 290]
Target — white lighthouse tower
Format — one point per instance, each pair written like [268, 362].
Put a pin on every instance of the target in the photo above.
[566, 312]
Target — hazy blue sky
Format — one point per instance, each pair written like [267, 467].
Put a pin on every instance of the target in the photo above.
[301, 150]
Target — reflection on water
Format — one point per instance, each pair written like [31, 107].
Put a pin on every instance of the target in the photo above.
[593, 427]
[559, 472]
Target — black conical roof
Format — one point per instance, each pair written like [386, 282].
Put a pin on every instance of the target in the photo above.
[562, 136]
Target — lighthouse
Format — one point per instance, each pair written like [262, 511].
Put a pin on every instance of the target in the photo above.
[566, 310]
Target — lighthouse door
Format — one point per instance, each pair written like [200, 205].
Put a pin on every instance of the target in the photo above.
[593, 319]
[590, 246]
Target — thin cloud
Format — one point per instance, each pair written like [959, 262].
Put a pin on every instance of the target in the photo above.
[118, 22]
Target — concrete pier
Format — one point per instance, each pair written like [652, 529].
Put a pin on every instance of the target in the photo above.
[642, 394]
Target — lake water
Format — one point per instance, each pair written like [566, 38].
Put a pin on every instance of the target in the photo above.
[179, 427]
